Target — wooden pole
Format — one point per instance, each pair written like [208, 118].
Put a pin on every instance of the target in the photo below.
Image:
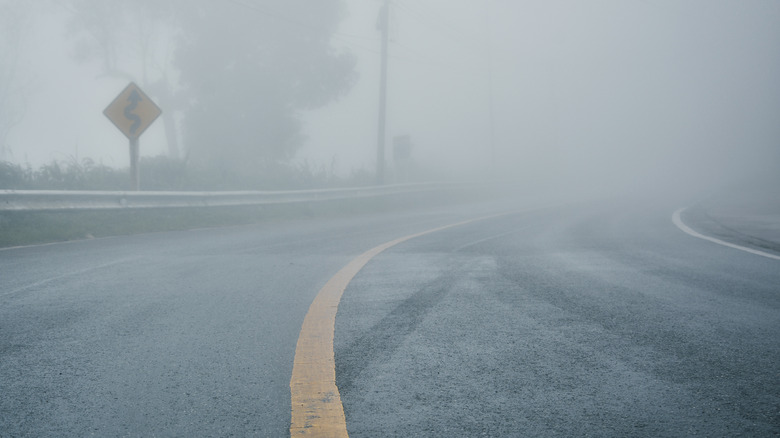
[384, 23]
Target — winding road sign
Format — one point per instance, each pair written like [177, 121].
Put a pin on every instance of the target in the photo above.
[132, 111]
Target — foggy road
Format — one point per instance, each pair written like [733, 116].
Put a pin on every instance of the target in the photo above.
[598, 318]
[584, 306]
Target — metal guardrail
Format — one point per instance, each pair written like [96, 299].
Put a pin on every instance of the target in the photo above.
[43, 200]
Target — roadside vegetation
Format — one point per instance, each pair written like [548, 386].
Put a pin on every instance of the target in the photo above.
[163, 173]
[235, 83]
[160, 174]
[19, 228]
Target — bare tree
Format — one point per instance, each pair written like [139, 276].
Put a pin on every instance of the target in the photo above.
[134, 41]
[15, 16]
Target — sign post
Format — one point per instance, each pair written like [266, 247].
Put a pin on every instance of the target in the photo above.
[132, 112]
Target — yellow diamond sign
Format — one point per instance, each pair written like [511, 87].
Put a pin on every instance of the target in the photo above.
[132, 111]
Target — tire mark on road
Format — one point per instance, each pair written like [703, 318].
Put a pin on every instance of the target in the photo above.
[315, 398]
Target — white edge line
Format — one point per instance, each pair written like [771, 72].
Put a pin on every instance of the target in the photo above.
[678, 221]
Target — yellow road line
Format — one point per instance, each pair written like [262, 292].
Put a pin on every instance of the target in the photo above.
[316, 402]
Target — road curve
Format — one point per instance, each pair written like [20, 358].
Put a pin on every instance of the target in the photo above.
[587, 320]
[596, 318]
[172, 334]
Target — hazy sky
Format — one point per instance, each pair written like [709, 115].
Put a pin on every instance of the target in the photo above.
[591, 90]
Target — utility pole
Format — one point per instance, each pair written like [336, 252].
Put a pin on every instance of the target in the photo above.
[384, 26]
[490, 92]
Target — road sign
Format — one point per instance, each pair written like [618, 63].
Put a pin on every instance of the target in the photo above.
[132, 111]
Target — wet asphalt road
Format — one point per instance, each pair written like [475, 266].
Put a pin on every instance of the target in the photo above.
[170, 334]
[588, 319]
[596, 320]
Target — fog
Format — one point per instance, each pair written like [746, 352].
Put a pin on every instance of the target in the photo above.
[605, 94]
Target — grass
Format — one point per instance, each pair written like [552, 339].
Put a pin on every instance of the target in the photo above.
[20, 228]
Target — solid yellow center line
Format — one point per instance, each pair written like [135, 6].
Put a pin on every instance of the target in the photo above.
[316, 402]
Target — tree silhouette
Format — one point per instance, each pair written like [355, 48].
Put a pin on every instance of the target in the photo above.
[134, 41]
[15, 16]
[250, 68]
